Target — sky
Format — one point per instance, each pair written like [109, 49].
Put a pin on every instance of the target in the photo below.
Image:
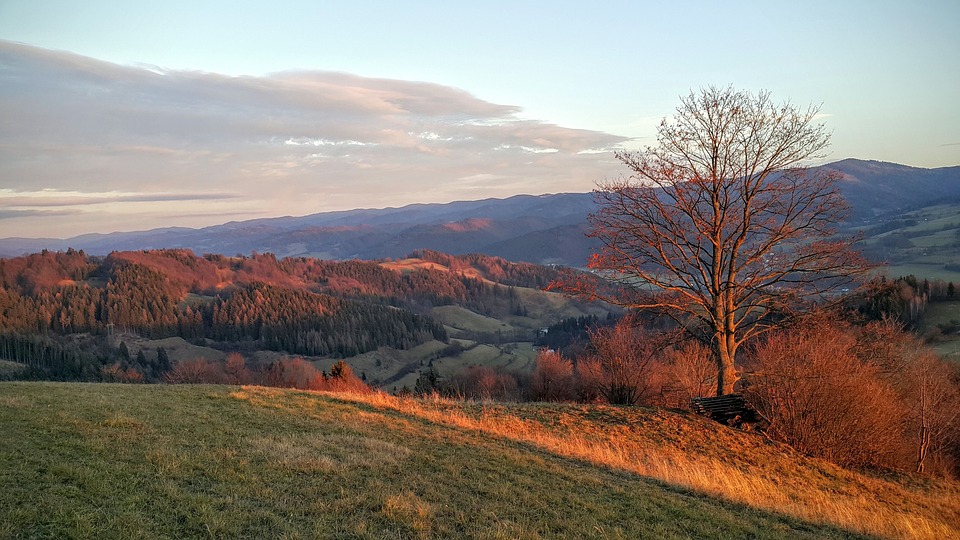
[120, 116]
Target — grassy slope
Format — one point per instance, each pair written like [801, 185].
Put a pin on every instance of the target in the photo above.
[113, 461]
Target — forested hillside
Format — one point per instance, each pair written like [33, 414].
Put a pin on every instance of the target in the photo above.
[54, 305]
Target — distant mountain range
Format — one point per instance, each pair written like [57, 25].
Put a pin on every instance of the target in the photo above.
[544, 229]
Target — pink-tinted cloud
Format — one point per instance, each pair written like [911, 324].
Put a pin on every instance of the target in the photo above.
[287, 144]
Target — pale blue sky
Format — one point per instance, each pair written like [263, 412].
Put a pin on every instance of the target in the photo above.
[603, 73]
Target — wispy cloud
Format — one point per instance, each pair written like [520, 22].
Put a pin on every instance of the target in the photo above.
[13, 213]
[87, 132]
[48, 198]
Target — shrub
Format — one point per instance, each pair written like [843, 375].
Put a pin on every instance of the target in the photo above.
[485, 383]
[341, 379]
[622, 365]
[195, 371]
[689, 371]
[552, 378]
[235, 370]
[819, 397]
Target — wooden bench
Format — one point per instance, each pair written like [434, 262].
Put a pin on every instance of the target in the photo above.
[730, 409]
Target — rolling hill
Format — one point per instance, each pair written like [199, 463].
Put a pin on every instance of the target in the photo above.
[68, 315]
[544, 229]
[183, 461]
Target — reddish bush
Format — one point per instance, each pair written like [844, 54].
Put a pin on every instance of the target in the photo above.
[116, 373]
[928, 389]
[483, 382]
[235, 370]
[552, 378]
[623, 362]
[341, 379]
[823, 400]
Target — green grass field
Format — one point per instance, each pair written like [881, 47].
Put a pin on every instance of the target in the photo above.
[129, 461]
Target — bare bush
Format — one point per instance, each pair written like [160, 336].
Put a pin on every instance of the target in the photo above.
[622, 363]
[292, 373]
[552, 378]
[484, 383]
[235, 370]
[588, 377]
[195, 371]
[931, 394]
[690, 372]
[116, 373]
[341, 379]
[819, 397]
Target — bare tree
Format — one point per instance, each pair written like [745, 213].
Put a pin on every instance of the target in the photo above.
[235, 369]
[928, 386]
[720, 225]
[933, 406]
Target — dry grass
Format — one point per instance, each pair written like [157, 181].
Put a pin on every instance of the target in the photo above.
[709, 459]
[409, 265]
[191, 461]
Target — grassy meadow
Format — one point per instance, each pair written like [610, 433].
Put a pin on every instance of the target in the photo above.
[137, 461]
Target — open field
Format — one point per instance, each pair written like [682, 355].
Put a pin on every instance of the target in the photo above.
[944, 313]
[931, 271]
[459, 319]
[127, 461]
[921, 242]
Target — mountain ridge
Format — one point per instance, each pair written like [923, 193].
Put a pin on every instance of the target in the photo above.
[547, 229]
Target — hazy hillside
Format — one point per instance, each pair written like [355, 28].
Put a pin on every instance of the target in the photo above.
[878, 189]
[542, 229]
[457, 228]
[135, 461]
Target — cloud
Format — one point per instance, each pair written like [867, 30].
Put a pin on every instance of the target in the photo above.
[54, 198]
[285, 144]
[7, 213]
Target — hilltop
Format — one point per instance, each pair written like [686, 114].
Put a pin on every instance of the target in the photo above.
[135, 461]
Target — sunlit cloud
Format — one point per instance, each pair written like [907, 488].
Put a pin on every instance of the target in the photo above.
[162, 147]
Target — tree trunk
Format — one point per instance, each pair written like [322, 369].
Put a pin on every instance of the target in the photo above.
[726, 371]
[922, 449]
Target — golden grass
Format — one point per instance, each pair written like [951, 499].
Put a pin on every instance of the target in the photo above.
[699, 455]
[408, 265]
